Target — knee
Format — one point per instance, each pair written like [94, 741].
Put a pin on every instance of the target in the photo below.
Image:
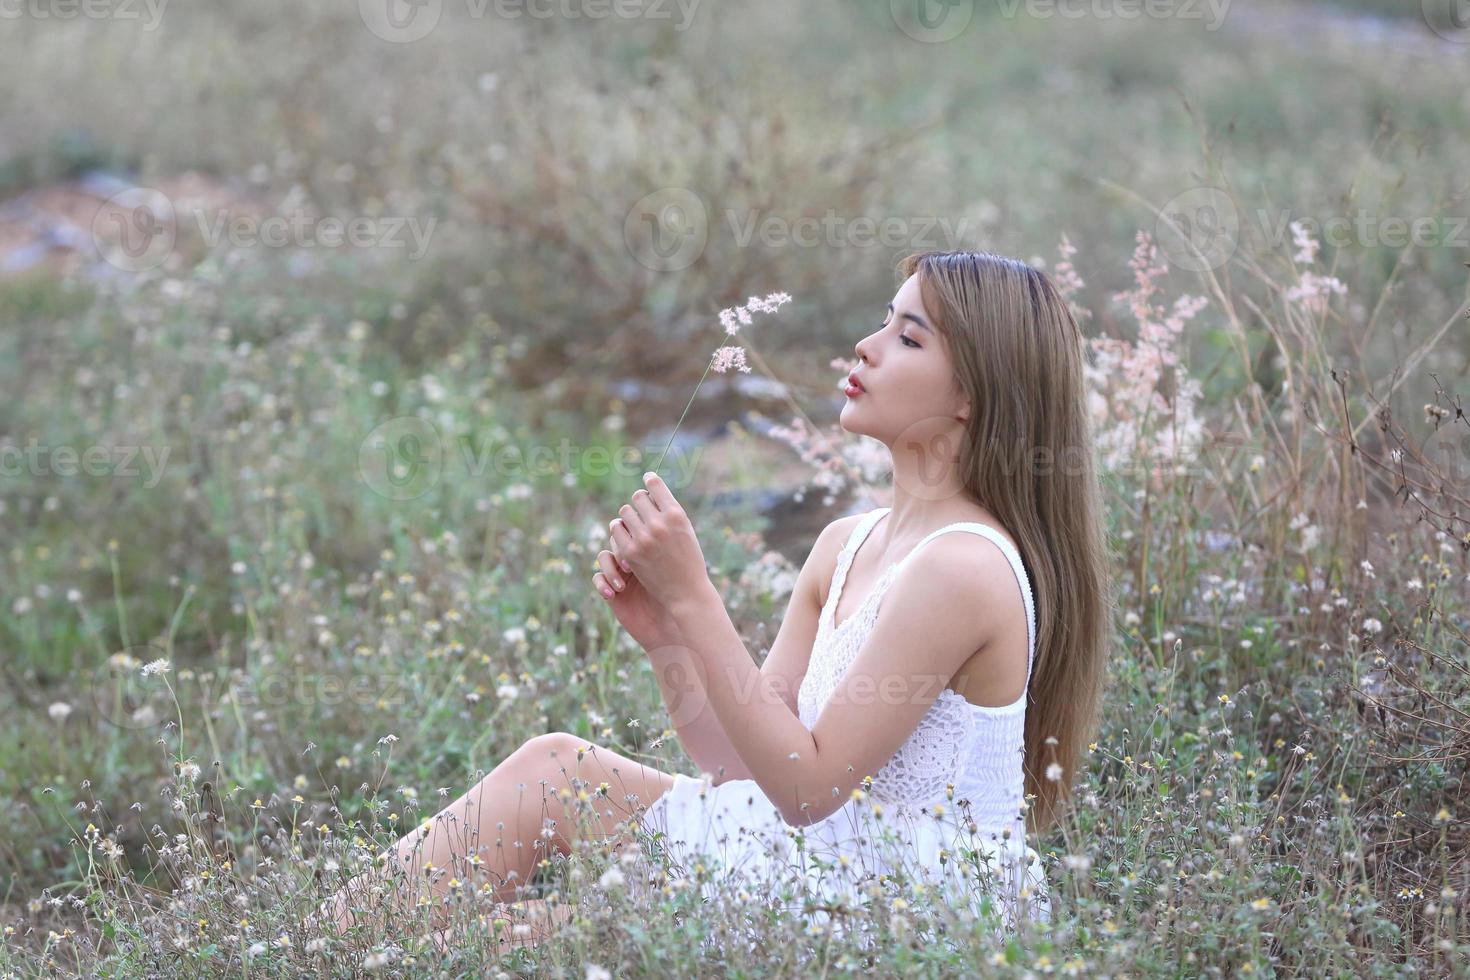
[560, 747]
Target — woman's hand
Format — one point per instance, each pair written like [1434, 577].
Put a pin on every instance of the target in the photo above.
[643, 616]
[653, 538]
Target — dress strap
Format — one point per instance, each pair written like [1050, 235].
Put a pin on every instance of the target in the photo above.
[844, 557]
[1017, 566]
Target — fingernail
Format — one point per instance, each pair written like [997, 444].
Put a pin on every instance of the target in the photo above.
[617, 583]
[624, 565]
[607, 593]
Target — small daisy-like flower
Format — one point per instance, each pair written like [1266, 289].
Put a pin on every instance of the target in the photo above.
[1054, 772]
[376, 961]
[59, 711]
[158, 666]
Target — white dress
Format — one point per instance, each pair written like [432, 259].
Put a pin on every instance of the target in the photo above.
[950, 797]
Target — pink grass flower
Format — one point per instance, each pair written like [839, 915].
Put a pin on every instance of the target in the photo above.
[729, 357]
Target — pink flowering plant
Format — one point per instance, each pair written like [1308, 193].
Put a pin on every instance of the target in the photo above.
[729, 357]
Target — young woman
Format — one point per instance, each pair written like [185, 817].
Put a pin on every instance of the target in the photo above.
[928, 693]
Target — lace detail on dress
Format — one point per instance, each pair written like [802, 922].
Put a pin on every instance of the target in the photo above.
[977, 748]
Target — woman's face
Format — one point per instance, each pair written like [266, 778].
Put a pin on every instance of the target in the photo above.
[907, 376]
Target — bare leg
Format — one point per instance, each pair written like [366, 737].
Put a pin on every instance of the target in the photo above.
[536, 802]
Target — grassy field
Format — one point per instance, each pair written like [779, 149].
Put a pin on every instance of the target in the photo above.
[194, 466]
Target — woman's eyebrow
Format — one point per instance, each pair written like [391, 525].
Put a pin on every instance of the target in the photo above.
[914, 317]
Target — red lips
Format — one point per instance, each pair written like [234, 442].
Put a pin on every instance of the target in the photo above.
[853, 380]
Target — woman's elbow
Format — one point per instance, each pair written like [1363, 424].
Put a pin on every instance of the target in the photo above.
[806, 815]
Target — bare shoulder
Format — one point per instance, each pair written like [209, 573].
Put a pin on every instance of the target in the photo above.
[971, 570]
[823, 557]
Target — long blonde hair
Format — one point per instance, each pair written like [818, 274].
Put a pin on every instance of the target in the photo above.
[1027, 457]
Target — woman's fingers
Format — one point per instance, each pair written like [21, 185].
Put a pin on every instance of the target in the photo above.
[609, 563]
[621, 539]
[644, 506]
[600, 583]
[636, 522]
[662, 496]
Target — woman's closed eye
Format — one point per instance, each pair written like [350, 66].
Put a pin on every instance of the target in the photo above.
[906, 340]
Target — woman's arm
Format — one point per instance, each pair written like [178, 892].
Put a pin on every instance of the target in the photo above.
[681, 678]
[936, 616]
